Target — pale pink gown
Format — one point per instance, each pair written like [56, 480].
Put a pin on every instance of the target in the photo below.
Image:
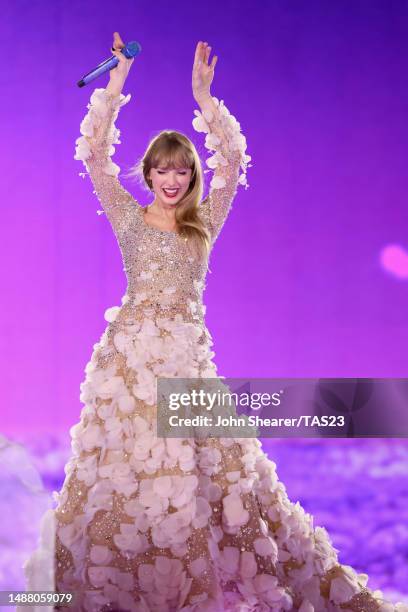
[145, 523]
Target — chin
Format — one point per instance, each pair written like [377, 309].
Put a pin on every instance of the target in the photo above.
[173, 204]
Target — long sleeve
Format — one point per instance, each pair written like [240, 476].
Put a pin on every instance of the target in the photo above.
[95, 147]
[228, 158]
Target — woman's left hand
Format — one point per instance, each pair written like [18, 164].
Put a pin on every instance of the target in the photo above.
[203, 73]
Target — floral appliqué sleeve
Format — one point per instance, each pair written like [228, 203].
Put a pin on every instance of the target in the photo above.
[95, 147]
[228, 146]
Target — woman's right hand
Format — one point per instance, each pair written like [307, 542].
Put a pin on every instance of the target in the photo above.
[118, 75]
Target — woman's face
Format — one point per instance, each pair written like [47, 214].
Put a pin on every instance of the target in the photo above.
[170, 184]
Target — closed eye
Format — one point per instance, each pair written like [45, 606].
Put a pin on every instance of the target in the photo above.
[164, 172]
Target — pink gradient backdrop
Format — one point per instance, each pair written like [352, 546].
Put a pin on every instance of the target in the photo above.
[297, 285]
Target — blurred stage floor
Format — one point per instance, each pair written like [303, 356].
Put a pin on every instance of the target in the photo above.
[356, 488]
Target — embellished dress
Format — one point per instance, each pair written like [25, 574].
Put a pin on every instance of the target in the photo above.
[144, 523]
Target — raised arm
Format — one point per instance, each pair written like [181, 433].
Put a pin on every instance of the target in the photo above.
[96, 145]
[223, 138]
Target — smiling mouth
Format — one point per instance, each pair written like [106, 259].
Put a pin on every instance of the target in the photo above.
[171, 193]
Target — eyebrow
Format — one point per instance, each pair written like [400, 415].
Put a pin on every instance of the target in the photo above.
[170, 168]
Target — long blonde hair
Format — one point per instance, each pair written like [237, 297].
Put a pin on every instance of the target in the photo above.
[171, 149]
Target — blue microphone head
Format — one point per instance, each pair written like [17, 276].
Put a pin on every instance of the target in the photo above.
[131, 49]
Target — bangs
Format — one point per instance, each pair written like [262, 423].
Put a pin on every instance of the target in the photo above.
[171, 154]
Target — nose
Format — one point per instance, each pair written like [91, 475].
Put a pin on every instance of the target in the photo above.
[172, 179]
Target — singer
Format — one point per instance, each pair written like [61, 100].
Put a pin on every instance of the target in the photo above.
[151, 524]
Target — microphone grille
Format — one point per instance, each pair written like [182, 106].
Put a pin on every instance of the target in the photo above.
[132, 49]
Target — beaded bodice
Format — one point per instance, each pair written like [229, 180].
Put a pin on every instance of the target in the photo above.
[162, 274]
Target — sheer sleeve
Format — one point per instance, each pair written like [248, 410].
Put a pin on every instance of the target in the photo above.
[95, 147]
[227, 145]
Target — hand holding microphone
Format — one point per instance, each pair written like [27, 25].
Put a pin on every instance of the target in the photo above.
[118, 65]
[118, 75]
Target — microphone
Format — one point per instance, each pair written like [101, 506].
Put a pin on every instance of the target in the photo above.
[130, 50]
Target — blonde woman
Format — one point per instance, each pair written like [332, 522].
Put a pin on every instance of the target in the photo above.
[151, 524]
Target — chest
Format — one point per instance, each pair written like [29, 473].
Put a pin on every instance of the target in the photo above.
[151, 253]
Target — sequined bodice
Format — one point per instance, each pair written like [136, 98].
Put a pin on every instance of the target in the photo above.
[161, 272]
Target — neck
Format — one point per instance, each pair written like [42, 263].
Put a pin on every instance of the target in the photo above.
[163, 210]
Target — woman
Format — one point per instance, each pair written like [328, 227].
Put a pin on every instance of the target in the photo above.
[146, 523]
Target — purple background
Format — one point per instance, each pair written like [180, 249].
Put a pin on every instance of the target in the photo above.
[297, 286]
[309, 277]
